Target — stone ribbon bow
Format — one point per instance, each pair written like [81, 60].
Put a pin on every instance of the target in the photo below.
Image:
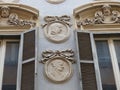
[49, 54]
[65, 19]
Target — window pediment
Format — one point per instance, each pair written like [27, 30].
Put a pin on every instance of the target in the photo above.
[17, 16]
[96, 15]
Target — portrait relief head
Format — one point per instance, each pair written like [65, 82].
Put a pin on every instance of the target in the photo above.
[106, 10]
[5, 11]
[58, 70]
[57, 32]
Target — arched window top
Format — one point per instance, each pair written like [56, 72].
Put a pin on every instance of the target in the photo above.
[98, 15]
[17, 16]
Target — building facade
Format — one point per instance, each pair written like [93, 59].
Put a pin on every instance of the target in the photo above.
[59, 44]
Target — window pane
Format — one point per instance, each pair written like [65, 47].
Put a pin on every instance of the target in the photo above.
[106, 70]
[10, 66]
[117, 49]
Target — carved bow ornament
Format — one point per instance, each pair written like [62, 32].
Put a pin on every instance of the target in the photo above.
[49, 54]
[65, 19]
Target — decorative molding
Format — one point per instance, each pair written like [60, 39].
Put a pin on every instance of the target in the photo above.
[104, 16]
[8, 18]
[58, 65]
[56, 28]
[65, 19]
[55, 1]
[14, 20]
[49, 54]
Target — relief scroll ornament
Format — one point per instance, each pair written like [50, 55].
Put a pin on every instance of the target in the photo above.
[104, 16]
[57, 28]
[8, 18]
[58, 65]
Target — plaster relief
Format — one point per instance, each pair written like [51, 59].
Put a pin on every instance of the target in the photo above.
[57, 28]
[104, 16]
[55, 1]
[12, 19]
[58, 65]
[5, 11]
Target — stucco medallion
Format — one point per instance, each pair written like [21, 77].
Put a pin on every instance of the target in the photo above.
[57, 28]
[55, 1]
[58, 69]
[57, 32]
[58, 65]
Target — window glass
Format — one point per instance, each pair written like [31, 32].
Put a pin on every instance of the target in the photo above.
[117, 49]
[10, 66]
[106, 70]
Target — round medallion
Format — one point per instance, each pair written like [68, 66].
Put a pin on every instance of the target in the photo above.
[55, 1]
[58, 69]
[57, 32]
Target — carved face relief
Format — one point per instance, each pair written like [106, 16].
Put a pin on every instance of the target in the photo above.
[55, 1]
[106, 10]
[5, 12]
[58, 69]
[57, 32]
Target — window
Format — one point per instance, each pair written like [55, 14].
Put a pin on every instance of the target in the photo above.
[98, 60]
[105, 65]
[108, 51]
[18, 60]
[9, 63]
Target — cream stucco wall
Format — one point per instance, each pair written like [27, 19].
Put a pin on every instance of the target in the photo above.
[47, 9]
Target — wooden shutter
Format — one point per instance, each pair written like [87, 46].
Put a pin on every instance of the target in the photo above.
[28, 53]
[86, 61]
